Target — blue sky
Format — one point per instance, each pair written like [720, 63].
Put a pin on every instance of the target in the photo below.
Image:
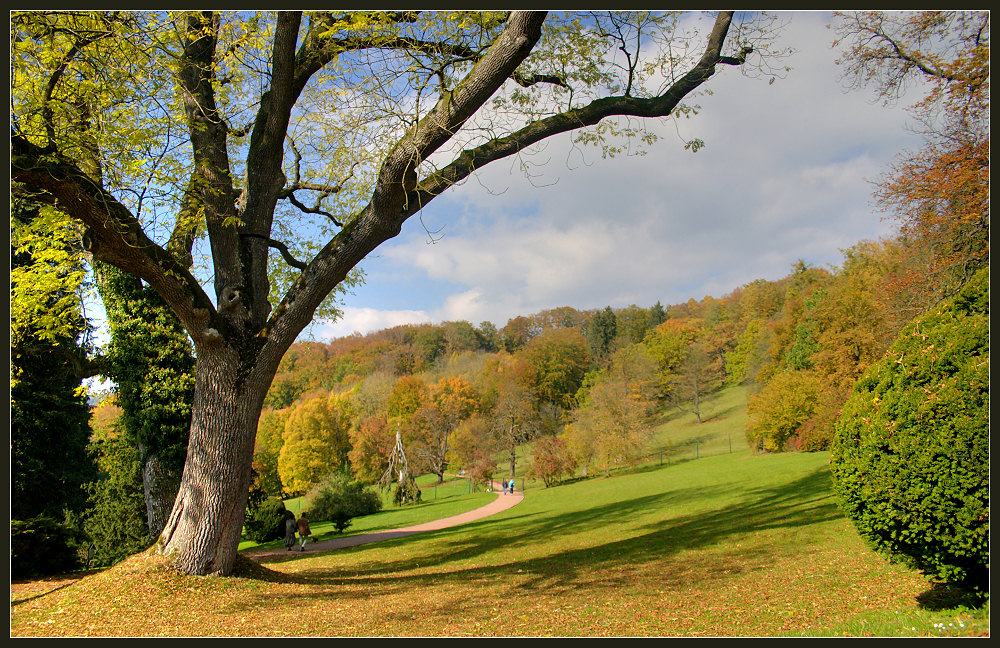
[785, 175]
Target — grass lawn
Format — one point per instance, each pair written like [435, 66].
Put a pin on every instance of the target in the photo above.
[731, 544]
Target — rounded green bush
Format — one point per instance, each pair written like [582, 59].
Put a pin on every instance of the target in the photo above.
[266, 521]
[338, 498]
[910, 459]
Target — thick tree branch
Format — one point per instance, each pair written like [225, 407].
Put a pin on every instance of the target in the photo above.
[280, 247]
[113, 234]
[209, 148]
[81, 366]
[591, 114]
[265, 178]
[527, 81]
[186, 225]
[382, 218]
[397, 176]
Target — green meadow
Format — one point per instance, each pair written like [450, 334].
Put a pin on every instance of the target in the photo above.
[696, 541]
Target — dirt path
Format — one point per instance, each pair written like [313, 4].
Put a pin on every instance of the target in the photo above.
[501, 503]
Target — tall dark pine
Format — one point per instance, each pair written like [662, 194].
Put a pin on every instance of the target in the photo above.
[601, 333]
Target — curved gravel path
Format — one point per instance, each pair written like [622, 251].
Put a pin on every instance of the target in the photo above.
[501, 503]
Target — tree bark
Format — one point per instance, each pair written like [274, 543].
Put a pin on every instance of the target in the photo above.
[159, 486]
[203, 531]
[513, 453]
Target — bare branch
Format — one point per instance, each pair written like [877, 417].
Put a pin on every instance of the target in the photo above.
[290, 195]
[527, 81]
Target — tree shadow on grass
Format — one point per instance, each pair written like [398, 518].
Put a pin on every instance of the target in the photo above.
[943, 597]
[805, 501]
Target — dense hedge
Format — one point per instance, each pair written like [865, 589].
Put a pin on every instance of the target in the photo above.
[338, 498]
[265, 521]
[910, 459]
[42, 546]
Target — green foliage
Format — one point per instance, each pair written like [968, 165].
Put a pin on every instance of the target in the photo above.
[615, 425]
[559, 359]
[601, 332]
[657, 315]
[780, 408]
[911, 456]
[461, 336]
[669, 344]
[743, 362]
[116, 521]
[799, 355]
[632, 323]
[406, 493]
[264, 520]
[48, 407]
[41, 546]
[46, 279]
[430, 343]
[338, 498]
[150, 358]
[48, 438]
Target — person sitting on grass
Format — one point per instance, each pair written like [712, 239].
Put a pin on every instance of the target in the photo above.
[304, 531]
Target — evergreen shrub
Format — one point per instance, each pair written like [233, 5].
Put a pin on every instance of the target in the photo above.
[116, 521]
[41, 546]
[338, 499]
[265, 521]
[910, 459]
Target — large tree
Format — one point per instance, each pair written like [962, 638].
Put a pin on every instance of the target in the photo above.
[939, 194]
[230, 121]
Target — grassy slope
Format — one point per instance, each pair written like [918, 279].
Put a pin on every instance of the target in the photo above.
[728, 545]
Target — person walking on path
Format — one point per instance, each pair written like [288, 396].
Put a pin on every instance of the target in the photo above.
[505, 487]
[510, 485]
[498, 504]
[290, 528]
[304, 531]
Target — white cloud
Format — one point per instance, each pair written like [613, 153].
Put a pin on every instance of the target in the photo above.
[365, 320]
[784, 175]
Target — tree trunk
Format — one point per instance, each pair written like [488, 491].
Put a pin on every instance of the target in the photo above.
[159, 486]
[697, 403]
[203, 531]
